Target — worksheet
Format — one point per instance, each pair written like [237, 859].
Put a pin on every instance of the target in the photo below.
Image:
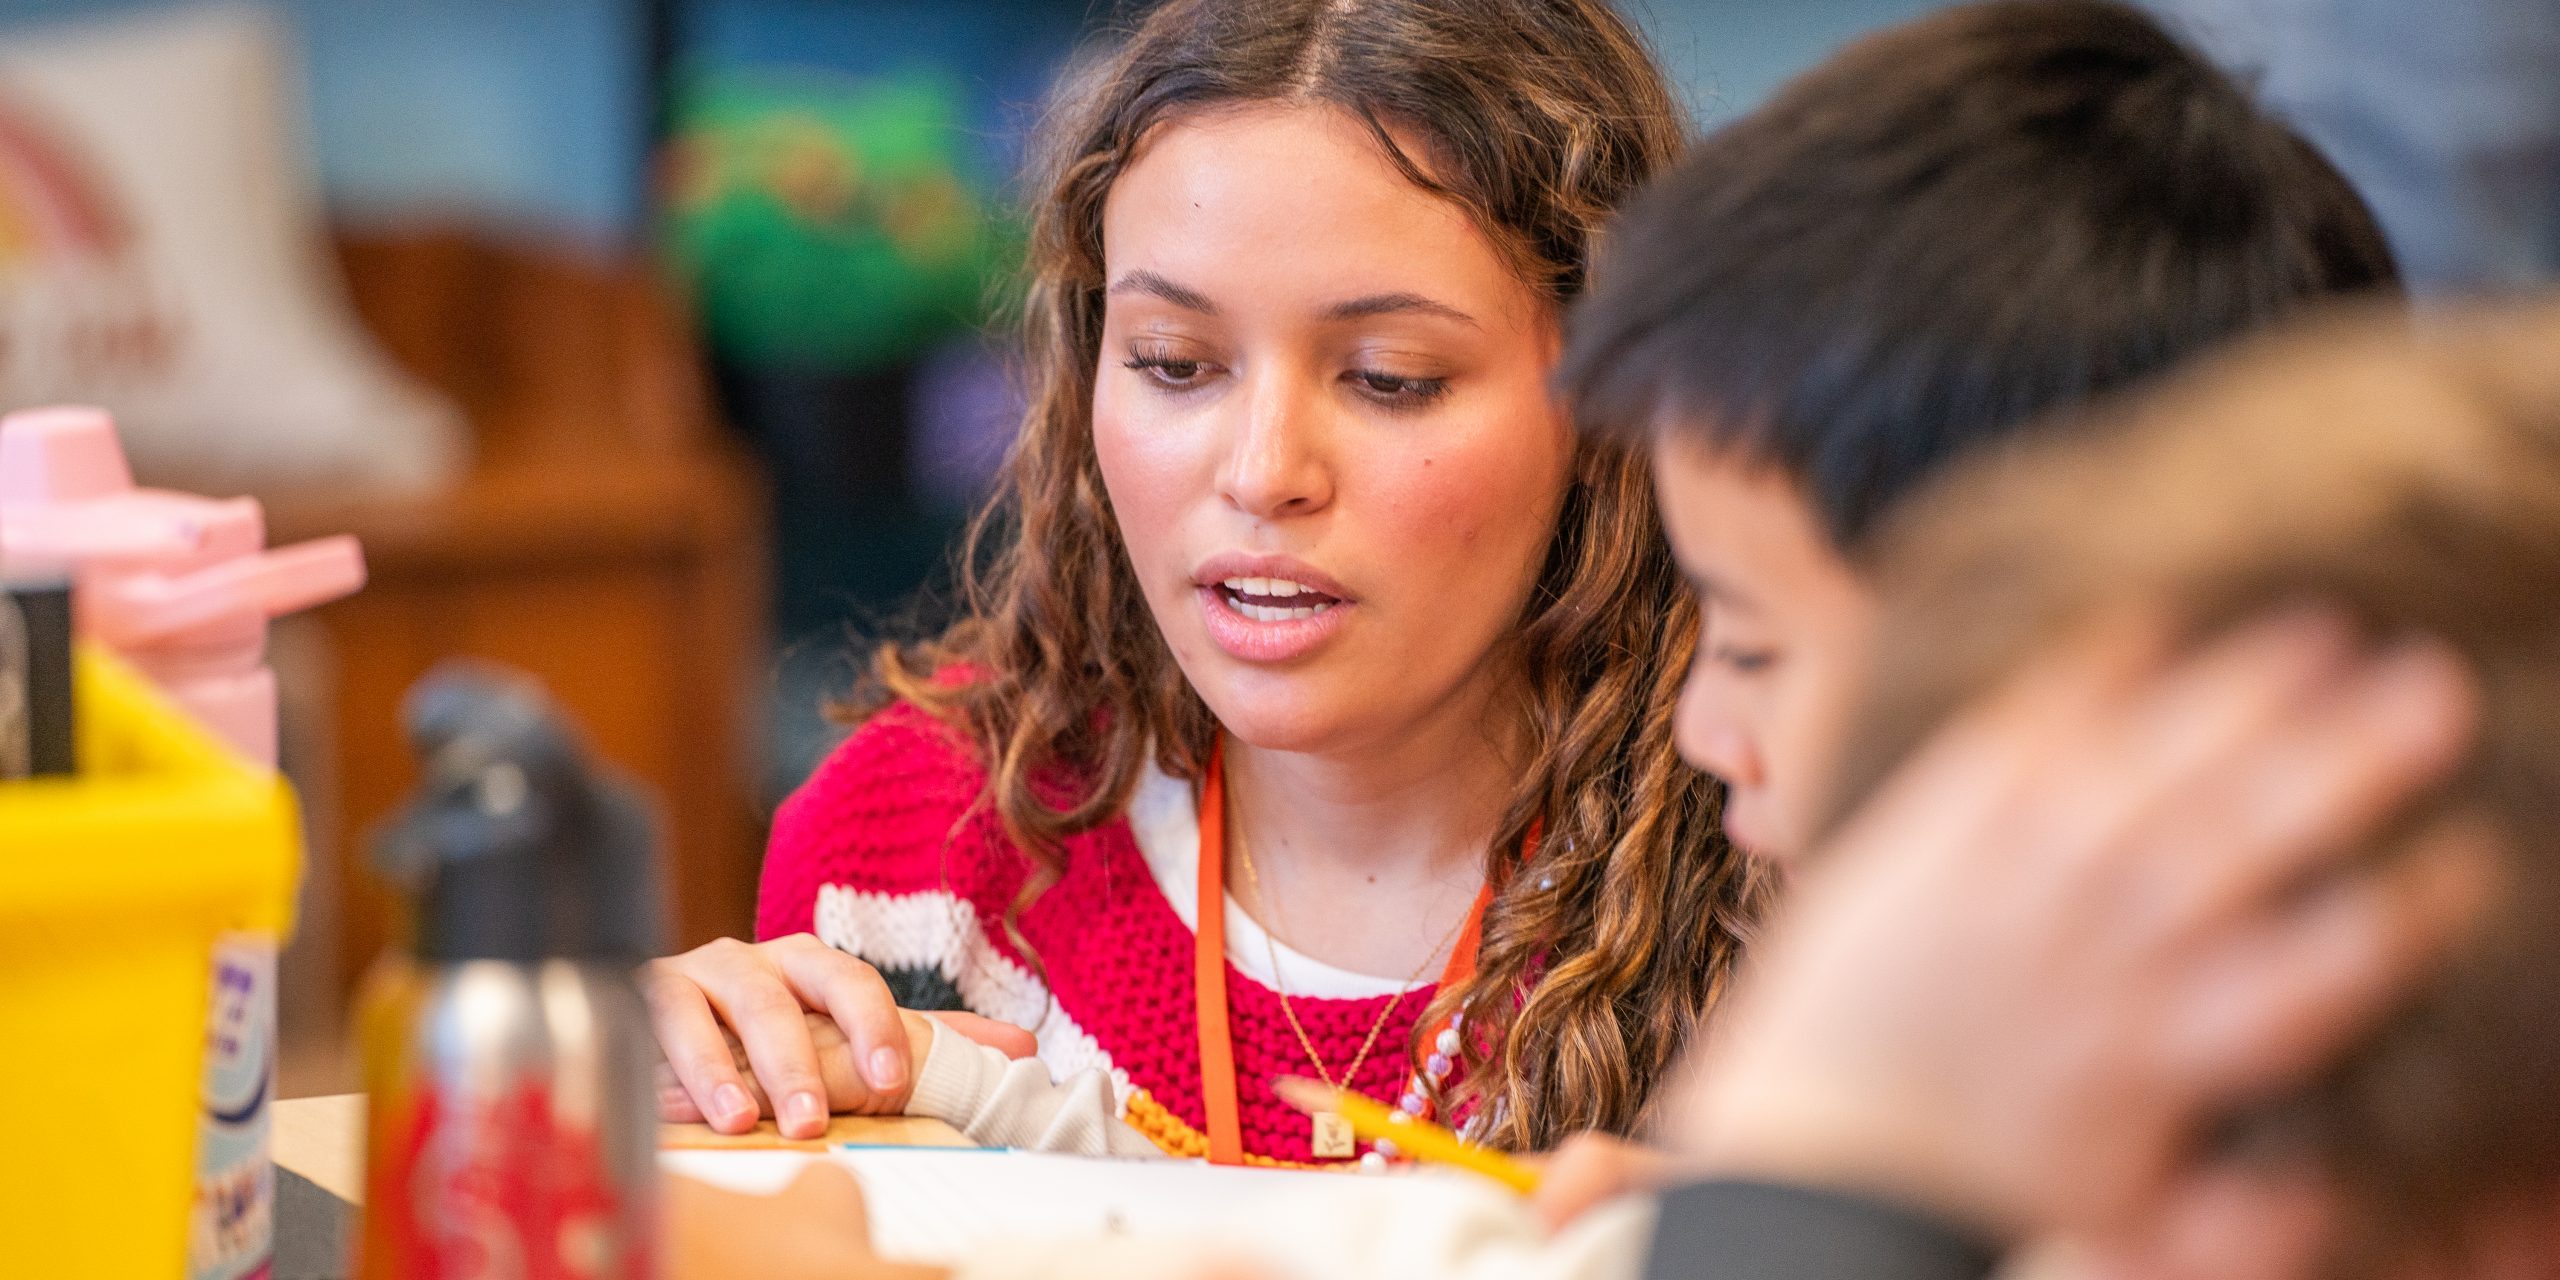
[933, 1204]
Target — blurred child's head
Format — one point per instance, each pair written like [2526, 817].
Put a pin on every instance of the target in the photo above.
[1293, 477]
[1910, 255]
[2412, 482]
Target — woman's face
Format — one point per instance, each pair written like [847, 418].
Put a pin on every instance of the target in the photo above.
[1322, 416]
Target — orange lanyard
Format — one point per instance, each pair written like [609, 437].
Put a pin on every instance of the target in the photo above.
[1209, 969]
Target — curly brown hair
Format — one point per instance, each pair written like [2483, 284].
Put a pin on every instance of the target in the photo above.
[1602, 955]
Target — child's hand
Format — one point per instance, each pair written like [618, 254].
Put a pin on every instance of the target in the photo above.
[846, 1091]
[1590, 1168]
[791, 1028]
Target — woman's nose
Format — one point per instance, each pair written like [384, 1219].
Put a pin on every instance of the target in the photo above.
[1279, 463]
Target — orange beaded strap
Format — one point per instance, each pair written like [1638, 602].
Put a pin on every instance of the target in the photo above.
[1209, 972]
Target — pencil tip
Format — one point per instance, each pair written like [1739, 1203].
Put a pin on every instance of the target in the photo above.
[1304, 1094]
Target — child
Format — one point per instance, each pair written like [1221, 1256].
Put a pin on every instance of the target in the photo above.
[1305, 619]
[1914, 254]
[2412, 488]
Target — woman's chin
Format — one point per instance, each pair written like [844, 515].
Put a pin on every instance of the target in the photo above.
[1268, 724]
[1308, 711]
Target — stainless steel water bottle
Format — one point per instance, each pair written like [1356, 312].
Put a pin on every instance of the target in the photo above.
[513, 1126]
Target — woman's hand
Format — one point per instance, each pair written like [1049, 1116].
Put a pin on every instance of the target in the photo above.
[2092, 915]
[845, 1089]
[792, 1029]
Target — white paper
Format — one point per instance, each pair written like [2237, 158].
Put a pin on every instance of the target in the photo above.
[934, 1204]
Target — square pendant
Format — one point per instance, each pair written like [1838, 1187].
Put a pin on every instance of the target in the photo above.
[1332, 1137]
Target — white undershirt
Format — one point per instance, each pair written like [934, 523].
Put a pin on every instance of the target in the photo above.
[1165, 818]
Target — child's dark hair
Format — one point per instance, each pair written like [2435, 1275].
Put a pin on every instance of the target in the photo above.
[1949, 228]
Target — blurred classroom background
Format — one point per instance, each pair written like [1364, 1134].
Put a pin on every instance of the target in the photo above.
[640, 340]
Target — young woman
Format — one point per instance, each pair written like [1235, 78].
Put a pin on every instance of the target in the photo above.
[1312, 711]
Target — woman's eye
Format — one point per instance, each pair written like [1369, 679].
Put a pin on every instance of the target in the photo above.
[1167, 371]
[1395, 388]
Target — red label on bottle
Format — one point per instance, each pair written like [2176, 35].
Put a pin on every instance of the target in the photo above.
[504, 1188]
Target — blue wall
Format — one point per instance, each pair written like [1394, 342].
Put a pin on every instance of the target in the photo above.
[530, 112]
[1729, 54]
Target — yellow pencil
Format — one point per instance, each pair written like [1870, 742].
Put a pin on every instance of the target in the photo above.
[1420, 1139]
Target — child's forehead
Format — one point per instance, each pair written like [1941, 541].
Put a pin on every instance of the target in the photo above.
[1744, 529]
[1713, 481]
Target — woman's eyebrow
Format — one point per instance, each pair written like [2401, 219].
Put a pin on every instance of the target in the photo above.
[1148, 282]
[1379, 304]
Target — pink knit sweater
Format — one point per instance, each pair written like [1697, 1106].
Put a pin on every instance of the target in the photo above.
[883, 853]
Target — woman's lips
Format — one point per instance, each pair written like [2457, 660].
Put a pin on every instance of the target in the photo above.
[1269, 620]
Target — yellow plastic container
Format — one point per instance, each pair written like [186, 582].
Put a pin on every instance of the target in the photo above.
[113, 886]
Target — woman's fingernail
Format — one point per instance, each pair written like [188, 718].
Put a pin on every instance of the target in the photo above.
[735, 1106]
[888, 1068]
[803, 1113]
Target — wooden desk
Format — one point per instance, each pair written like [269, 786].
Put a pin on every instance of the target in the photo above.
[323, 1139]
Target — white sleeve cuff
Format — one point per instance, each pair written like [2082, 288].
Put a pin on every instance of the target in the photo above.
[1005, 1102]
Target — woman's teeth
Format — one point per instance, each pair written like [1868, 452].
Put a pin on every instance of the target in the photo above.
[1278, 613]
[1274, 599]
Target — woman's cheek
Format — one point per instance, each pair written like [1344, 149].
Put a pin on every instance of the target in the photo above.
[1459, 536]
[1495, 496]
[1435, 501]
[1140, 474]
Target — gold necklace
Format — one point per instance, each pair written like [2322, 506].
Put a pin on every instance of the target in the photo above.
[1331, 1137]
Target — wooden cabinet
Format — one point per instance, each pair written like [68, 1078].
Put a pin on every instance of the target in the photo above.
[609, 541]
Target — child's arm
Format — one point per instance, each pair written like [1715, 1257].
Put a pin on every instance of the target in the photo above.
[1011, 1102]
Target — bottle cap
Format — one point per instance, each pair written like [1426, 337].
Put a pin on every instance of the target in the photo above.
[515, 846]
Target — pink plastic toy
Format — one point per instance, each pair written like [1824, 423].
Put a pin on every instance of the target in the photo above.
[182, 586]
